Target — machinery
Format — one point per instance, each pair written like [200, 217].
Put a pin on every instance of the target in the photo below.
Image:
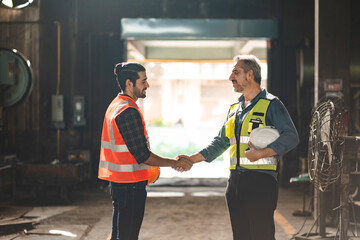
[330, 157]
[15, 77]
[15, 85]
[326, 143]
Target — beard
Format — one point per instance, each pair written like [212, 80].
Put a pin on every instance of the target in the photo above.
[240, 87]
[140, 93]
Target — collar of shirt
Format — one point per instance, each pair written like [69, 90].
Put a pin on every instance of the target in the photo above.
[255, 99]
[241, 112]
[123, 94]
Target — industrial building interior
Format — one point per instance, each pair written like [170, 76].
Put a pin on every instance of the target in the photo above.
[57, 79]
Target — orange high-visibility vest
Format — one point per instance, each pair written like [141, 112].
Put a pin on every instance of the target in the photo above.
[117, 164]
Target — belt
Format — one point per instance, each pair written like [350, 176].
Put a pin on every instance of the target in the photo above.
[250, 173]
[136, 184]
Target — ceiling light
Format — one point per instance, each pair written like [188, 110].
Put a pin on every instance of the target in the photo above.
[16, 3]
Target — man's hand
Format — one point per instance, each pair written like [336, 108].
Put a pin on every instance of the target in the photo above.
[183, 163]
[254, 154]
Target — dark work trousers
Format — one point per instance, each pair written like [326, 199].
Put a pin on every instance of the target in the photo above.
[128, 209]
[251, 198]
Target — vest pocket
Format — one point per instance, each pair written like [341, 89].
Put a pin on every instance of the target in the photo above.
[255, 123]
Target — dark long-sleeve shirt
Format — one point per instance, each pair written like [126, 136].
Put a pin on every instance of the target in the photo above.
[276, 116]
[132, 130]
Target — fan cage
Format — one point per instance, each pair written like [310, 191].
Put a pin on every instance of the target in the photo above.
[326, 143]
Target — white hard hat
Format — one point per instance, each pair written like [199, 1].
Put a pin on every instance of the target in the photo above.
[262, 136]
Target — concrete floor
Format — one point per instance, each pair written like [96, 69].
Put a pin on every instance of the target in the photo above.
[172, 212]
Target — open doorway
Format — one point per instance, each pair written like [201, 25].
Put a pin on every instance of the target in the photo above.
[190, 94]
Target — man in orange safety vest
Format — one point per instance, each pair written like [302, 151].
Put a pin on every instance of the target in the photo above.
[126, 160]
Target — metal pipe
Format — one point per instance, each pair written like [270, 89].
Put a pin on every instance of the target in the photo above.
[316, 56]
[58, 25]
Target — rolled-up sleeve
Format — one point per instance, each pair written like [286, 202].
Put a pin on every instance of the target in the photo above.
[218, 145]
[279, 117]
[131, 128]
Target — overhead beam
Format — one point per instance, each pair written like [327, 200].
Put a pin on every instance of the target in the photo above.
[169, 29]
[137, 50]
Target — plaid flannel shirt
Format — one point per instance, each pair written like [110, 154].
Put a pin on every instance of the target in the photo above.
[132, 130]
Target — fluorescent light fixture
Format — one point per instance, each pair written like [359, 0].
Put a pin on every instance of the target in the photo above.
[16, 3]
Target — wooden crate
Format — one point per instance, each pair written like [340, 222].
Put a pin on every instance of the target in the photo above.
[47, 173]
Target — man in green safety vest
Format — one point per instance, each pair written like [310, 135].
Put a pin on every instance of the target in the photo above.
[252, 190]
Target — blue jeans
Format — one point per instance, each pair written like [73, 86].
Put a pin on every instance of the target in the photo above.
[128, 209]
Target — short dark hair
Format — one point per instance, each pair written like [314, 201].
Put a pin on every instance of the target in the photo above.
[251, 62]
[126, 70]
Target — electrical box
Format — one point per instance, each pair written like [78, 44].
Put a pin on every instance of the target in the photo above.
[57, 111]
[79, 111]
[333, 87]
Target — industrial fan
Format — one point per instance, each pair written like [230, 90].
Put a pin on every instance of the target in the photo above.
[326, 143]
[325, 156]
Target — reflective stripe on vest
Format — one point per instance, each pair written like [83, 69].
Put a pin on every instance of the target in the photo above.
[114, 147]
[261, 164]
[123, 104]
[117, 164]
[123, 167]
[254, 119]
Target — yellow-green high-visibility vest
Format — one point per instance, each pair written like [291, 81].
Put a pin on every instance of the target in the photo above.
[254, 119]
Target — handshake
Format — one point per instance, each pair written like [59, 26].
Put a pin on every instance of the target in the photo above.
[182, 163]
